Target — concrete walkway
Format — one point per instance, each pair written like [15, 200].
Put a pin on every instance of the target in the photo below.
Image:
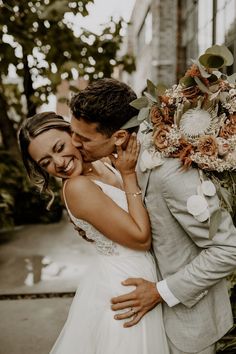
[31, 326]
[43, 258]
[46, 261]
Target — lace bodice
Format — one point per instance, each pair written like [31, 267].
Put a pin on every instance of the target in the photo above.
[102, 244]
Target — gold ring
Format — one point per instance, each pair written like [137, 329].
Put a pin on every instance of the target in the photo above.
[132, 310]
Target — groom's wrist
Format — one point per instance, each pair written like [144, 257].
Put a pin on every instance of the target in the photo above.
[165, 293]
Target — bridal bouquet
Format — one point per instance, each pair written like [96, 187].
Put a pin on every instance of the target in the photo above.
[195, 121]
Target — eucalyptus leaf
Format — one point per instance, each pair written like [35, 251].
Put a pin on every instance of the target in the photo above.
[227, 197]
[143, 114]
[139, 103]
[232, 78]
[187, 81]
[215, 219]
[211, 61]
[203, 72]
[161, 89]
[151, 98]
[151, 88]
[202, 87]
[217, 73]
[223, 51]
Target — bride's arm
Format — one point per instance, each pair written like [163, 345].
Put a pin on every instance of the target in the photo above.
[88, 202]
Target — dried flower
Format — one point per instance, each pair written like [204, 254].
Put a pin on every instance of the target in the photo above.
[195, 120]
[223, 146]
[160, 136]
[155, 114]
[207, 145]
[229, 128]
[160, 115]
[191, 92]
[183, 151]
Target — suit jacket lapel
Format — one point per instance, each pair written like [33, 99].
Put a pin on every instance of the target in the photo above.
[143, 178]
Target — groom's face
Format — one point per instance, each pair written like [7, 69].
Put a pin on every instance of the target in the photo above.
[92, 144]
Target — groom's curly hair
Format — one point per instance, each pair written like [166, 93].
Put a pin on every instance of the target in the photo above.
[105, 102]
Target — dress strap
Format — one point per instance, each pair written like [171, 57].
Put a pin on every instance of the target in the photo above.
[64, 194]
[113, 169]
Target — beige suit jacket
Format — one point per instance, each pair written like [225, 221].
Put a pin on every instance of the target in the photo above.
[193, 265]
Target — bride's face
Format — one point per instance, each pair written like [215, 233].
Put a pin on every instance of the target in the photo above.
[53, 151]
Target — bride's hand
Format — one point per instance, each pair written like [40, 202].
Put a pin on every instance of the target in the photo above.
[127, 158]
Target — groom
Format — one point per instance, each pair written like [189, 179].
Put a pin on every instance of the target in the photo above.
[193, 267]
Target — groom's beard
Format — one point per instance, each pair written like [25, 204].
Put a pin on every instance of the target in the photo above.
[91, 158]
[98, 153]
[86, 157]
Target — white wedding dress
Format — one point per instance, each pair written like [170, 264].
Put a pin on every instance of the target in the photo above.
[90, 327]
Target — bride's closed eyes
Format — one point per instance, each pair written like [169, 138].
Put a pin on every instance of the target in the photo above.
[54, 152]
[57, 148]
[44, 164]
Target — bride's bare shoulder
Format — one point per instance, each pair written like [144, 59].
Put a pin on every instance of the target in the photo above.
[79, 192]
[78, 184]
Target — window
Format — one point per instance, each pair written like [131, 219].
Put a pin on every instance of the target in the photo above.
[148, 28]
[145, 33]
[205, 24]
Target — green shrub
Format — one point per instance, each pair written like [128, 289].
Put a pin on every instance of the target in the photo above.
[20, 202]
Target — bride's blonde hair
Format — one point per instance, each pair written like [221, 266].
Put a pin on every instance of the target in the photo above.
[30, 129]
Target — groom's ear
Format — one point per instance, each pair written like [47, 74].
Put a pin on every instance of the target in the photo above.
[121, 137]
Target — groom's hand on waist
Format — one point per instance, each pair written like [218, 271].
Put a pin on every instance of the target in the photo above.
[138, 302]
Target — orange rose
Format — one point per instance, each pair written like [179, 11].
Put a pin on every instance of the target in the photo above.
[160, 136]
[229, 128]
[155, 113]
[184, 149]
[165, 99]
[183, 152]
[160, 115]
[208, 145]
[167, 114]
[193, 71]
[191, 92]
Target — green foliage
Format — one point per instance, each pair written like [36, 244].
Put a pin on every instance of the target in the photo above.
[216, 57]
[39, 41]
[20, 202]
[225, 183]
[139, 103]
[10, 179]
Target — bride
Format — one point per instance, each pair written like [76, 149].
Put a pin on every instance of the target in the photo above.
[107, 205]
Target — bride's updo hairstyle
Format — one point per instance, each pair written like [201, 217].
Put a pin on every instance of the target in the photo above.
[30, 129]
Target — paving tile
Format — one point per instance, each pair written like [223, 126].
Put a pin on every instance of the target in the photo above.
[31, 326]
[43, 258]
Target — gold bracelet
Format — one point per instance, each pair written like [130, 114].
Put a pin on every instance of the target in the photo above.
[134, 194]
